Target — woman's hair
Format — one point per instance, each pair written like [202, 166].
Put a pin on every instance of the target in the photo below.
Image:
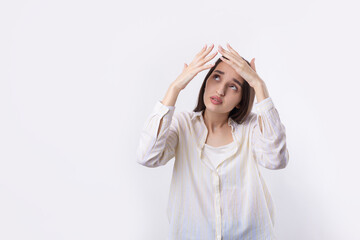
[246, 102]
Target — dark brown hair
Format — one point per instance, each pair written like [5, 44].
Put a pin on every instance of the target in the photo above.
[246, 102]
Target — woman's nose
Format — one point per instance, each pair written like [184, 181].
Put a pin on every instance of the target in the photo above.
[220, 92]
[222, 89]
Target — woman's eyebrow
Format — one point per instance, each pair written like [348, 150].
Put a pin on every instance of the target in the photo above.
[234, 79]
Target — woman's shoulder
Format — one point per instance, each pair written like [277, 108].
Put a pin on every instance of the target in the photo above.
[184, 115]
[248, 121]
[251, 118]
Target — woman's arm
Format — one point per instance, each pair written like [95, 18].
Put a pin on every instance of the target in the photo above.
[159, 136]
[268, 133]
[261, 91]
[170, 99]
[269, 136]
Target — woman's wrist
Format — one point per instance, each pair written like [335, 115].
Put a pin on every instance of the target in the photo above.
[174, 88]
[261, 91]
[171, 96]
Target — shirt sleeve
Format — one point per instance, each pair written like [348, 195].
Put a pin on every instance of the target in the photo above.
[155, 149]
[269, 145]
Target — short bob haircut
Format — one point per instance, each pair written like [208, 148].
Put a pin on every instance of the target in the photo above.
[246, 103]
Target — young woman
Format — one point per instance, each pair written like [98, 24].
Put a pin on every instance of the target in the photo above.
[217, 190]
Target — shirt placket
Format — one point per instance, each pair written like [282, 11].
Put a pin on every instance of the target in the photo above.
[216, 184]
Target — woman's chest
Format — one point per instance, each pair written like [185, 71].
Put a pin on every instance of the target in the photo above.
[219, 138]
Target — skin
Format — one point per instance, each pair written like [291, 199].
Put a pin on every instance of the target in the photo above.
[248, 73]
[221, 85]
[216, 116]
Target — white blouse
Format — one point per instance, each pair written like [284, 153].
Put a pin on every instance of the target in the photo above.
[217, 155]
[230, 201]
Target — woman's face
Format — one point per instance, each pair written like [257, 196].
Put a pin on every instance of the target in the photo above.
[224, 82]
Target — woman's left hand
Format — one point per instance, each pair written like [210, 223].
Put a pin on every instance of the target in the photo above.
[240, 66]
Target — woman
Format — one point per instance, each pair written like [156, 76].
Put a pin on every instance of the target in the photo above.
[217, 190]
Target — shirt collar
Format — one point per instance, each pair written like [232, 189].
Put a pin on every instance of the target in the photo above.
[196, 115]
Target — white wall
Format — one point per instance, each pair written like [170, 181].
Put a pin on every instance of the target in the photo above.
[78, 78]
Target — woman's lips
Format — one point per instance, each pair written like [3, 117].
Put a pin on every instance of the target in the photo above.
[215, 101]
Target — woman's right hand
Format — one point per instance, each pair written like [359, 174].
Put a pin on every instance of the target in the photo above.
[196, 66]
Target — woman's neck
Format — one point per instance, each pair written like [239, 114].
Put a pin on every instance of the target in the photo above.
[215, 121]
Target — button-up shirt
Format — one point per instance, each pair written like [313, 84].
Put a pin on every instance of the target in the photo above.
[230, 201]
[216, 155]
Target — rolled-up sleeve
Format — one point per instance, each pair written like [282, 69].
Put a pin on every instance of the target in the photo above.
[156, 149]
[269, 145]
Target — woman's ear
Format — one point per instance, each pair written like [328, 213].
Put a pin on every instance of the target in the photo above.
[238, 106]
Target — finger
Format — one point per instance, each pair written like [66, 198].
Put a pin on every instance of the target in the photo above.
[252, 64]
[225, 60]
[202, 50]
[207, 51]
[205, 67]
[210, 57]
[228, 54]
[199, 60]
[229, 62]
[232, 50]
[205, 60]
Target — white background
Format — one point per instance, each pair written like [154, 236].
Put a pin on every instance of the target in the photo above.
[78, 78]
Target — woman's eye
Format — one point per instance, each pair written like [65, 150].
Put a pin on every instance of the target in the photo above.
[235, 88]
[218, 76]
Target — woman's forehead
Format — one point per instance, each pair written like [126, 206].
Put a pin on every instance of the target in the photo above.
[224, 69]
